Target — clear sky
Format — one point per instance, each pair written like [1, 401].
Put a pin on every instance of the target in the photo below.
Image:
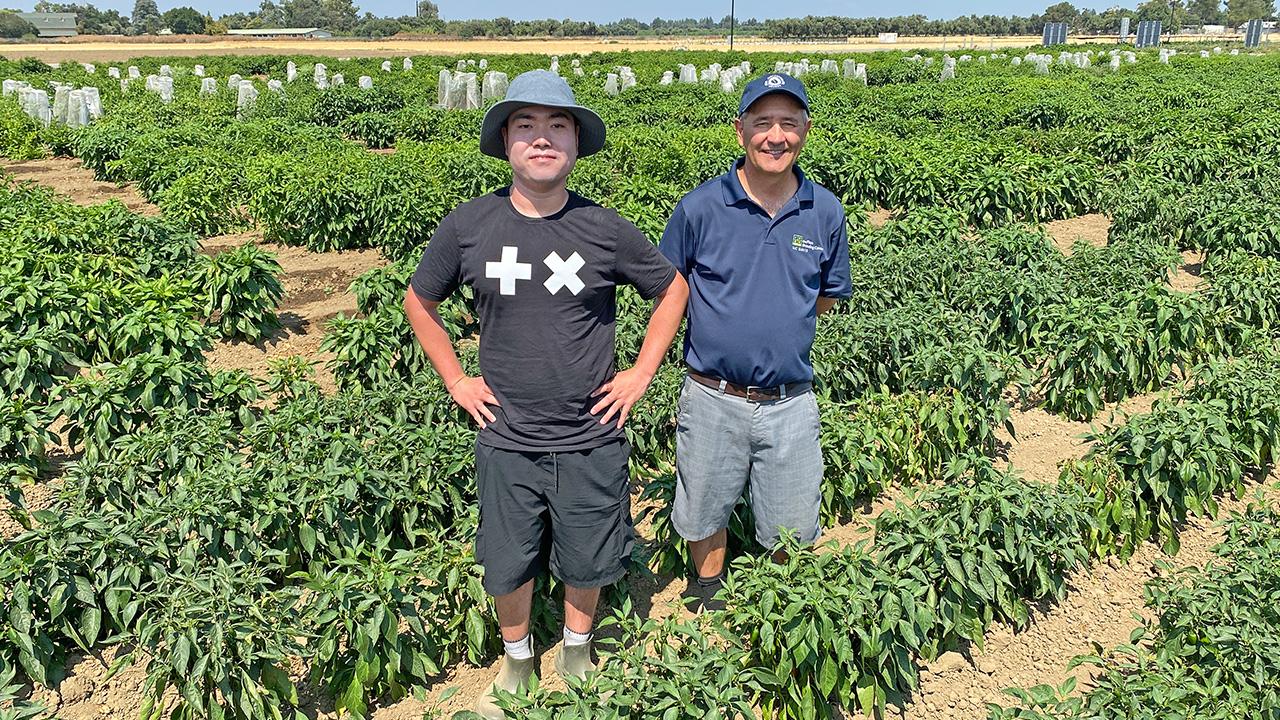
[601, 11]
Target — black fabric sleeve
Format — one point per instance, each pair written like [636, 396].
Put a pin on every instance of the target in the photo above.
[440, 269]
[638, 262]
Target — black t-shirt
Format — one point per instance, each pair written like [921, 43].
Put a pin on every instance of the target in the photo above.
[545, 290]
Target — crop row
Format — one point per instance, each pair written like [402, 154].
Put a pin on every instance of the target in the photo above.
[849, 626]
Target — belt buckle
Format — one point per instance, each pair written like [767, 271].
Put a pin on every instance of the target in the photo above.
[748, 388]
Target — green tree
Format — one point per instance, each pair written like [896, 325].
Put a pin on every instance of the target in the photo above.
[184, 21]
[12, 26]
[1242, 11]
[1172, 14]
[1209, 11]
[428, 10]
[1062, 12]
[146, 17]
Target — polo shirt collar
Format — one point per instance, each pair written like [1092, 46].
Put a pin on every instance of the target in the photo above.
[734, 193]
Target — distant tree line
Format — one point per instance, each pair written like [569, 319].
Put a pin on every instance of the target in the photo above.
[343, 17]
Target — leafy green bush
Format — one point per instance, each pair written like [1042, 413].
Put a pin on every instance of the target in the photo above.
[242, 288]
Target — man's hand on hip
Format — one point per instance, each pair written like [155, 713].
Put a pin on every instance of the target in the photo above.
[473, 395]
[620, 394]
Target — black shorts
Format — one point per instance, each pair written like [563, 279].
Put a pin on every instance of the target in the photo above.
[569, 512]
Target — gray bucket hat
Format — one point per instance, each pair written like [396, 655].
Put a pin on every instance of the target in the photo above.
[539, 87]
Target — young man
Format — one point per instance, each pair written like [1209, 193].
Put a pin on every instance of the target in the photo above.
[551, 461]
[765, 252]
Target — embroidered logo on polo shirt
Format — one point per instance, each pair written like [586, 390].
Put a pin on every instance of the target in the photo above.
[798, 242]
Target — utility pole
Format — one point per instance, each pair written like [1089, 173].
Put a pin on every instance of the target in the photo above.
[731, 10]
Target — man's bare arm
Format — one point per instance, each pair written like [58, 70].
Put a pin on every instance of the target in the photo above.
[472, 394]
[825, 304]
[628, 386]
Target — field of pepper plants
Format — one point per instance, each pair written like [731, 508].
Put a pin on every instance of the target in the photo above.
[256, 548]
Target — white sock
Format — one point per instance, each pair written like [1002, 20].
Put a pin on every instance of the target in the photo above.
[573, 638]
[520, 649]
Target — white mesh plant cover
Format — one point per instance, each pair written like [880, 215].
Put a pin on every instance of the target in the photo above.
[366, 82]
[709, 76]
[1204, 53]
[745, 66]
[483, 64]
[209, 86]
[277, 87]
[77, 109]
[166, 71]
[291, 71]
[1115, 63]
[60, 93]
[578, 71]
[93, 102]
[688, 74]
[948, 69]
[668, 77]
[407, 64]
[847, 67]
[729, 79]
[338, 80]
[162, 86]
[134, 72]
[198, 71]
[461, 88]
[246, 97]
[89, 68]
[461, 66]
[473, 91]
[611, 84]
[626, 78]
[829, 66]
[35, 103]
[982, 59]
[494, 87]
[11, 87]
[113, 72]
[442, 88]
[233, 82]
[966, 58]
[321, 76]
[386, 65]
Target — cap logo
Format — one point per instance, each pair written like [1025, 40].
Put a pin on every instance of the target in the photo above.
[774, 81]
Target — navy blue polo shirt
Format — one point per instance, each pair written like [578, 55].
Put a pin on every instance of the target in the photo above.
[754, 281]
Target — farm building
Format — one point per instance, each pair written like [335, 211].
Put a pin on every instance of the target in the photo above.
[310, 32]
[51, 25]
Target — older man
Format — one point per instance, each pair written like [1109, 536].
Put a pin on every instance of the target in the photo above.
[551, 460]
[765, 252]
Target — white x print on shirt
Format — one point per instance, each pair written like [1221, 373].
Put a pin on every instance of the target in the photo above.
[564, 273]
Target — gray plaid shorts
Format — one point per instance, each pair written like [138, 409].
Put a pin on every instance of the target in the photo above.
[723, 442]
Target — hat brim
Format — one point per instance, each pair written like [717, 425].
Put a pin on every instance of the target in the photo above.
[744, 107]
[590, 127]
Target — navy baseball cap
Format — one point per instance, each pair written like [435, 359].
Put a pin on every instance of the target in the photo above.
[769, 84]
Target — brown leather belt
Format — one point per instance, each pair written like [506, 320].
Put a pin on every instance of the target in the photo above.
[751, 393]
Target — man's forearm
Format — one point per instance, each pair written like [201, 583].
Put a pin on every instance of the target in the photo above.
[663, 325]
[825, 304]
[434, 339]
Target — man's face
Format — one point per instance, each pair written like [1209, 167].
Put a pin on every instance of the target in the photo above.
[772, 131]
[542, 145]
